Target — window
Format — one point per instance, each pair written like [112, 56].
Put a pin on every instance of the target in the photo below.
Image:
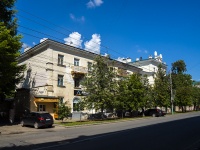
[112, 69]
[77, 106]
[60, 80]
[89, 66]
[41, 108]
[76, 62]
[60, 59]
[76, 82]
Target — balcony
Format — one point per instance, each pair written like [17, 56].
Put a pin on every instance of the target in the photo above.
[122, 73]
[78, 71]
[46, 90]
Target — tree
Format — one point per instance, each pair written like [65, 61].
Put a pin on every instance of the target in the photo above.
[196, 97]
[7, 15]
[100, 85]
[179, 67]
[10, 71]
[182, 84]
[147, 90]
[130, 93]
[63, 111]
[161, 91]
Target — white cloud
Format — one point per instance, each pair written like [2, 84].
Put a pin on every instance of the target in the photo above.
[34, 43]
[142, 51]
[43, 39]
[94, 44]
[74, 39]
[81, 19]
[94, 3]
[25, 47]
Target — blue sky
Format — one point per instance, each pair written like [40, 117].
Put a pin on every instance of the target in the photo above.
[121, 28]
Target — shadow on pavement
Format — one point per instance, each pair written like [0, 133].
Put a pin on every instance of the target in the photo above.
[174, 135]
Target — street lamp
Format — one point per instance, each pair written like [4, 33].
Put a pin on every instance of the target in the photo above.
[171, 97]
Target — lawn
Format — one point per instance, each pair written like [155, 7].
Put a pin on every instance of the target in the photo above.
[69, 123]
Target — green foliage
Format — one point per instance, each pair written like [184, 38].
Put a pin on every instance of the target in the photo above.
[196, 97]
[79, 106]
[100, 85]
[130, 93]
[161, 90]
[10, 72]
[63, 111]
[183, 84]
[179, 67]
[147, 90]
[7, 14]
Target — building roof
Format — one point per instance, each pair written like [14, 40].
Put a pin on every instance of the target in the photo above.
[69, 49]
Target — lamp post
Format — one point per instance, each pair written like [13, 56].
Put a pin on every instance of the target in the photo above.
[171, 93]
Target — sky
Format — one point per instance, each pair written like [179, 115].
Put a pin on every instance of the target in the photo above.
[120, 28]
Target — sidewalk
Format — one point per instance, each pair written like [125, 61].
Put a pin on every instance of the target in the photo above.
[10, 129]
[7, 128]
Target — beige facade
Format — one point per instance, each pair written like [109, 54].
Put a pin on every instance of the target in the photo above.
[149, 66]
[55, 70]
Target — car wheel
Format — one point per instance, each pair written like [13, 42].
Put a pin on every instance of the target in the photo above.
[22, 123]
[153, 115]
[36, 125]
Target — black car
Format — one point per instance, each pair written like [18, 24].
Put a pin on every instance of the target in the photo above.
[37, 120]
[154, 112]
[97, 116]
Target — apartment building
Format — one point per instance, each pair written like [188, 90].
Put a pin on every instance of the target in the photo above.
[149, 66]
[53, 74]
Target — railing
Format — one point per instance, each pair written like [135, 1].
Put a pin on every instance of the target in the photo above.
[122, 72]
[42, 90]
[79, 69]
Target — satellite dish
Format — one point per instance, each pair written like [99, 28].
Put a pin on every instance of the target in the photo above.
[155, 53]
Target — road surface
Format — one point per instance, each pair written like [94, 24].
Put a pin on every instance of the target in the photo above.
[173, 132]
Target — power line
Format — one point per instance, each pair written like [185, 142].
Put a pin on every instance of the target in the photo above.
[38, 32]
[91, 50]
[62, 28]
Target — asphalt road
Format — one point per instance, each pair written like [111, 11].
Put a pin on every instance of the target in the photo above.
[177, 132]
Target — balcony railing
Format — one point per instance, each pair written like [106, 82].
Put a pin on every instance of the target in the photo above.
[122, 72]
[43, 90]
[79, 69]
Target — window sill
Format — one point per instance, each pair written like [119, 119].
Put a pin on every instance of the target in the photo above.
[62, 86]
[61, 65]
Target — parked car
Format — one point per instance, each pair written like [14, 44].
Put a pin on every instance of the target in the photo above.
[154, 112]
[97, 116]
[37, 120]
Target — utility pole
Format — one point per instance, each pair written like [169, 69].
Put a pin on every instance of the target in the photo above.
[171, 97]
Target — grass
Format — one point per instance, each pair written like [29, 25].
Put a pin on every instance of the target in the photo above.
[69, 123]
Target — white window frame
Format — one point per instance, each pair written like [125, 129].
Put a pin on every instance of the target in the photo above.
[60, 59]
[41, 107]
[76, 62]
[60, 80]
